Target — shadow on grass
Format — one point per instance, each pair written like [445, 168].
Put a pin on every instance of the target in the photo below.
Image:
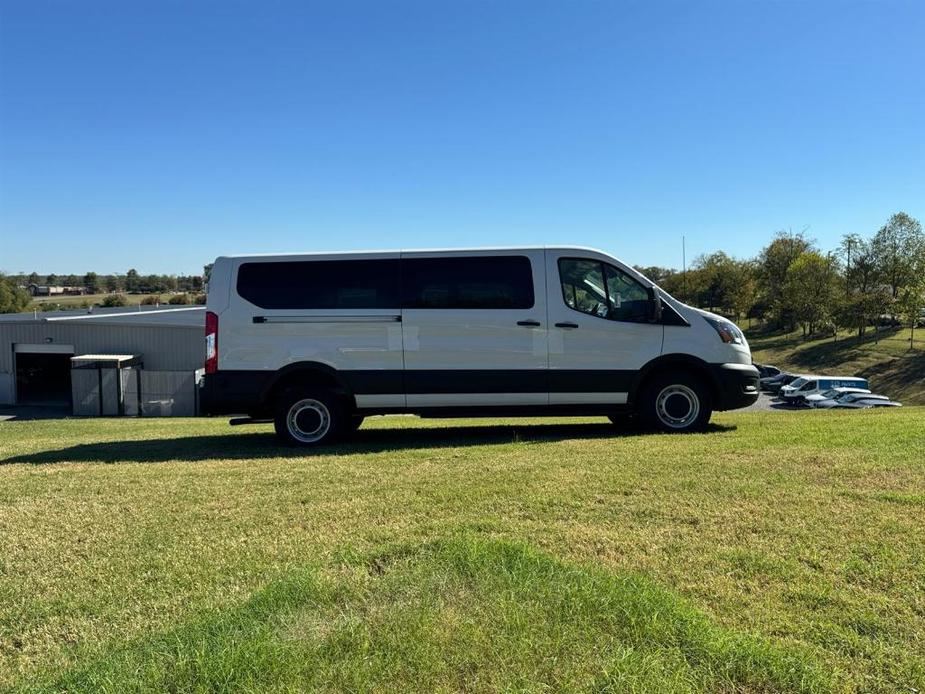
[266, 445]
[887, 377]
[819, 351]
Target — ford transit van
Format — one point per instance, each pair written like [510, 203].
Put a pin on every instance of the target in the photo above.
[799, 390]
[317, 342]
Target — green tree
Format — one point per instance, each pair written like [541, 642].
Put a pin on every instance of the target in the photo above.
[773, 263]
[896, 249]
[111, 283]
[911, 306]
[12, 298]
[91, 282]
[911, 301]
[810, 289]
[743, 295]
[655, 273]
[131, 281]
[717, 275]
[52, 279]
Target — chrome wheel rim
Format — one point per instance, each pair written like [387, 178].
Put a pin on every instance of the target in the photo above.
[677, 406]
[308, 420]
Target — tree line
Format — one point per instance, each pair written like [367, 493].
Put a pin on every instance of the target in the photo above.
[793, 283]
[131, 282]
[185, 289]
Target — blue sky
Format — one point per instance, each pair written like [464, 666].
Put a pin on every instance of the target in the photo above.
[157, 135]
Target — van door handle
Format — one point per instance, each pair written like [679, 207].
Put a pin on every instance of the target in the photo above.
[529, 323]
[566, 325]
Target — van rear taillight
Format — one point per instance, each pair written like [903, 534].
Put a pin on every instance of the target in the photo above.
[211, 342]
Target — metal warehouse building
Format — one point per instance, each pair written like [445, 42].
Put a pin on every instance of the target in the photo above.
[37, 351]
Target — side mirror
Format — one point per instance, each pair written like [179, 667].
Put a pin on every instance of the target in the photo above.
[655, 306]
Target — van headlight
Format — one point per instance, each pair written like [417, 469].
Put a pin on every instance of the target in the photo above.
[727, 332]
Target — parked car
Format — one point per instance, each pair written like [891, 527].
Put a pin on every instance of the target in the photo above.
[317, 342]
[868, 402]
[766, 370]
[773, 384]
[857, 401]
[797, 391]
[831, 394]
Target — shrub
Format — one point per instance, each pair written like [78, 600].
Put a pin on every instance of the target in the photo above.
[114, 300]
[180, 299]
[201, 299]
[151, 301]
[12, 298]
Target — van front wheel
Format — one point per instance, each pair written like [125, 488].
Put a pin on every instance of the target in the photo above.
[676, 403]
[308, 417]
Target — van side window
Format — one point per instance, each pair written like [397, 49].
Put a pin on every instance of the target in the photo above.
[602, 290]
[583, 286]
[476, 282]
[321, 284]
[629, 300]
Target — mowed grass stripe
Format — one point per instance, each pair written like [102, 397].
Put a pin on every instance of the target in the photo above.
[461, 614]
[799, 529]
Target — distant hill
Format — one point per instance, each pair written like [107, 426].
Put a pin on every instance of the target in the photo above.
[885, 359]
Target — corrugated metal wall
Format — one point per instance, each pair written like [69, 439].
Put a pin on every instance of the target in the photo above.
[163, 393]
[163, 348]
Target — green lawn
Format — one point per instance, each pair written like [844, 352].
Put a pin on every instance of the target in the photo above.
[884, 357]
[781, 551]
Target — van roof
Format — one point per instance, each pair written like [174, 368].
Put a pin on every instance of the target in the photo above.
[463, 249]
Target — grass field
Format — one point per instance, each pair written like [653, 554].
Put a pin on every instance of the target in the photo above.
[78, 301]
[778, 552]
[884, 357]
[71, 302]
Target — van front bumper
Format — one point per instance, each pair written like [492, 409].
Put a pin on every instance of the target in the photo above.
[736, 385]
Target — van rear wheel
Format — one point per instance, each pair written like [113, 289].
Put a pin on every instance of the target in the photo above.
[309, 417]
[676, 402]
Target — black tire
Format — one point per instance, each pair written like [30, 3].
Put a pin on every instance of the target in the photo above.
[676, 402]
[309, 417]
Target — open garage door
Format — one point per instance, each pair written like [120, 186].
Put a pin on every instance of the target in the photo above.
[43, 374]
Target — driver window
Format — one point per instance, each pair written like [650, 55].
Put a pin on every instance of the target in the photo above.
[583, 286]
[629, 300]
[601, 290]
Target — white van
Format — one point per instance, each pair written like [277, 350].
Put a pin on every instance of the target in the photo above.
[317, 342]
[800, 389]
